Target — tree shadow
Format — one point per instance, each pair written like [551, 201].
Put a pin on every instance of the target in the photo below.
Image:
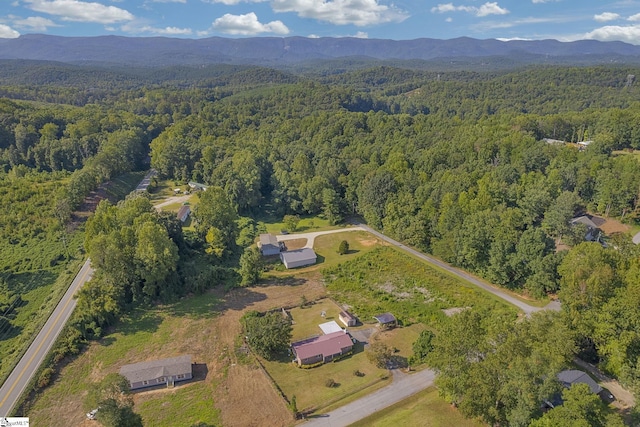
[319, 259]
[352, 251]
[397, 362]
[139, 320]
[24, 282]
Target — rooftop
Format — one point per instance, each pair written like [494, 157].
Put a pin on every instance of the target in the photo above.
[303, 254]
[385, 318]
[573, 376]
[332, 343]
[145, 371]
[268, 239]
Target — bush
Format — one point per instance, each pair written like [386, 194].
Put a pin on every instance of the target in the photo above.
[45, 377]
[330, 383]
[343, 248]
[358, 373]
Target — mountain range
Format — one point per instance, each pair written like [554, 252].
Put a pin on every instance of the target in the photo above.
[161, 51]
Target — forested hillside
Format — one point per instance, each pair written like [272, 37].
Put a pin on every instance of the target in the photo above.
[453, 163]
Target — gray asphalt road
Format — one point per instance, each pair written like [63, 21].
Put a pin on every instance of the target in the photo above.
[28, 365]
[403, 386]
[464, 275]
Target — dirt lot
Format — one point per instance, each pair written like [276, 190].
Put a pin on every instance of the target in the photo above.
[245, 395]
[611, 226]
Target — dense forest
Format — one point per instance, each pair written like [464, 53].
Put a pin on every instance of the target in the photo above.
[454, 163]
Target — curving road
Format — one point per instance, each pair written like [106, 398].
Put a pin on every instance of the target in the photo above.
[16, 383]
[403, 386]
[526, 308]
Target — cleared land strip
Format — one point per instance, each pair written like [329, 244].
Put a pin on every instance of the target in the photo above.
[311, 237]
[403, 386]
[554, 305]
[16, 383]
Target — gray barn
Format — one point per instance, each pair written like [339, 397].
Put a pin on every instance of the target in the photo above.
[158, 372]
[298, 258]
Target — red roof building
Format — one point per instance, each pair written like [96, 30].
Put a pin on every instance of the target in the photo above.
[324, 348]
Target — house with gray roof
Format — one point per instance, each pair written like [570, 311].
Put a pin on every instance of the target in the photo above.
[158, 372]
[570, 377]
[298, 258]
[269, 245]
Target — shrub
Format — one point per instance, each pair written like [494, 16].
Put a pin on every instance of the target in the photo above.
[330, 383]
[343, 248]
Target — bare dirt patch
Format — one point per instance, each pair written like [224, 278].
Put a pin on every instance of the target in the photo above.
[295, 244]
[611, 226]
[246, 396]
[369, 242]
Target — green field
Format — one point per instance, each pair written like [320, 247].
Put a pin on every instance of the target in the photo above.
[161, 332]
[386, 280]
[425, 409]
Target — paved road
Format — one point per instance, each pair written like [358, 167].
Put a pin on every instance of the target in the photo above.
[403, 386]
[528, 309]
[146, 181]
[311, 237]
[28, 365]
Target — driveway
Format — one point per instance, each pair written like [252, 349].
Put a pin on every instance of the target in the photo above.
[403, 386]
[312, 236]
[171, 200]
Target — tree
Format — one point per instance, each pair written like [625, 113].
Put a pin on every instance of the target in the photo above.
[267, 334]
[251, 265]
[343, 248]
[580, 408]
[422, 346]
[215, 210]
[112, 397]
[379, 354]
[291, 222]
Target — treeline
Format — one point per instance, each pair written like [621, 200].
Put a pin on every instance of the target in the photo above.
[487, 194]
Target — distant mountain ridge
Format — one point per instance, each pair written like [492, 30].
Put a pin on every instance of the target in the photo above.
[161, 51]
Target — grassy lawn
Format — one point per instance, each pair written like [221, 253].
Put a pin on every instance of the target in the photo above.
[424, 409]
[401, 339]
[306, 224]
[146, 334]
[386, 280]
[306, 320]
[326, 247]
[308, 385]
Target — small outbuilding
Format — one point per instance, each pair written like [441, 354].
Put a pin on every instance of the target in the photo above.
[298, 258]
[386, 320]
[330, 327]
[269, 245]
[347, 318]
[158, 372]
[183, 213]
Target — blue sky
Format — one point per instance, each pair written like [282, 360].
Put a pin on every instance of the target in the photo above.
[564, 20]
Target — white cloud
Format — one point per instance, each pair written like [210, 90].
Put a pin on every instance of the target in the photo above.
[606, 16]
[168, 1]
[6, 32]
[80, 11]
[629, 34]
[634, 18]
[449, 19]
[34, 23]
[543, 1]
[247, 25]
[313, 36]
[361, 35]
[489, 8]
[233, 2]
[342, 12]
